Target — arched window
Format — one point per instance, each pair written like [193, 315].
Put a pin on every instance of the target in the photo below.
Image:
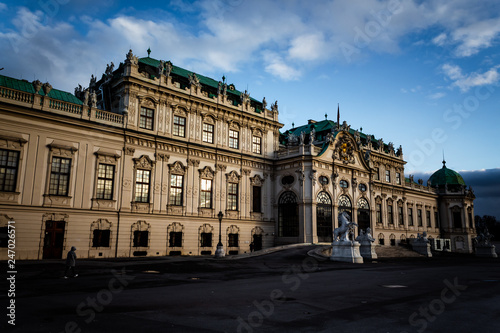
[324, 217]
[345, 205]
[288, 215]
[363, 214]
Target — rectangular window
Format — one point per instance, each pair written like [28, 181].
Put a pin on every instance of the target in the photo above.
[379, 213]
[388, 176]
[419, 217]
[256, 146]
[232, 240]
[208, 133]
[376, 175]
[141, 238]
[428, 217]
[390, 218]
[257, 199]
[410, 216]
[179, 126]
[436, 219]
[142, 180]
[206, 193]
[232, 196]
[175, 239]
[176, 182]
[457, 220]
[234, 139]
[206, 239]
[401, 216]
[398, 178]
[101, 238]
[146, 118]
[105, 181]
[59, 176]
[9, 160]
[471, 221]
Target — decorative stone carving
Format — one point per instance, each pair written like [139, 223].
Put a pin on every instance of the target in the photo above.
[233, 177]
[131, 58]
[256, 180]
[37, 85]
[344, 150]
[143, 162]
[177, 168]
[46, 88]
[206, 173]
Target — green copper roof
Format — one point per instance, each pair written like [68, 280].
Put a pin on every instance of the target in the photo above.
[446, 176]
[25, 86]
[204, 80]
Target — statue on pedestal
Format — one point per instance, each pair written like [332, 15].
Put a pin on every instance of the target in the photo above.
[344, 249]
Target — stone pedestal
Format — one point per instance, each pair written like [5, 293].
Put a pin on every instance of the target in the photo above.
[367, 250]
[487, 251]
[220, 253]
[346, 251]
[422, 248]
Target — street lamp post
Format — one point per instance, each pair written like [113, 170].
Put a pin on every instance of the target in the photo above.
[219, 253]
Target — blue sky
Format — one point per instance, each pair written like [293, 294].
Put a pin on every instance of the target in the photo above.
[421, 74]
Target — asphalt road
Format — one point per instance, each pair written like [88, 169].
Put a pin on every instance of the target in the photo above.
[286, 291]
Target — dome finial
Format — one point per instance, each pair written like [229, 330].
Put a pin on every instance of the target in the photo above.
[444, 161]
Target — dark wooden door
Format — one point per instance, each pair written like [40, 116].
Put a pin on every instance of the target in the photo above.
[257, 242]
[54, 240]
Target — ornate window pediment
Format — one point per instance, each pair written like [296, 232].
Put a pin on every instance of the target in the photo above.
[144, 162]
[233, 177]
[206, 173]
[61, 150]
[177, 168]
[256, 180]
[11, 142]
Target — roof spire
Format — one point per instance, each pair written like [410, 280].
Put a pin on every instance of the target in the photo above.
[338, 116]
[444, 161]
[149, 51]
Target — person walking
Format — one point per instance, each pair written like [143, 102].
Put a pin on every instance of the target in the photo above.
[71, 263]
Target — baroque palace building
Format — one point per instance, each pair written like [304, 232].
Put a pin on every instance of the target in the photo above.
[142, 161]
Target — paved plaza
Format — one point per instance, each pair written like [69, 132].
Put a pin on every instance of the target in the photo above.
[283, 291]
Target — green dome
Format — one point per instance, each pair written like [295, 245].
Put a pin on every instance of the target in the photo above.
[446, 176]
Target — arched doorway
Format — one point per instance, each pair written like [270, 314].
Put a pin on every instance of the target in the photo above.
[288, 215]
[363, 214]
[324, 218]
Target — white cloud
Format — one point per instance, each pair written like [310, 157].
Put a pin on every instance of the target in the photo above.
[308, 47]
[275, 65]
[437, 95]
[2, 6]
[439, 39]
[476, 36]
[465, 82]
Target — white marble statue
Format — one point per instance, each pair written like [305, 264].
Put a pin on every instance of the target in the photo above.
[346, 227]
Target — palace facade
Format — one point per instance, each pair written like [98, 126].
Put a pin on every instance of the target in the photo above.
[142, 161]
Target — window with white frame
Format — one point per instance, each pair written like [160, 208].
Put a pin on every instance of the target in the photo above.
[206, 193]
[142, 182]
[256, 145]
[232, 196]
[208, 133]
[9, 162]
[176, 185]
[105, 181]
[59, 176]
[234, 139]
[179, 128]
